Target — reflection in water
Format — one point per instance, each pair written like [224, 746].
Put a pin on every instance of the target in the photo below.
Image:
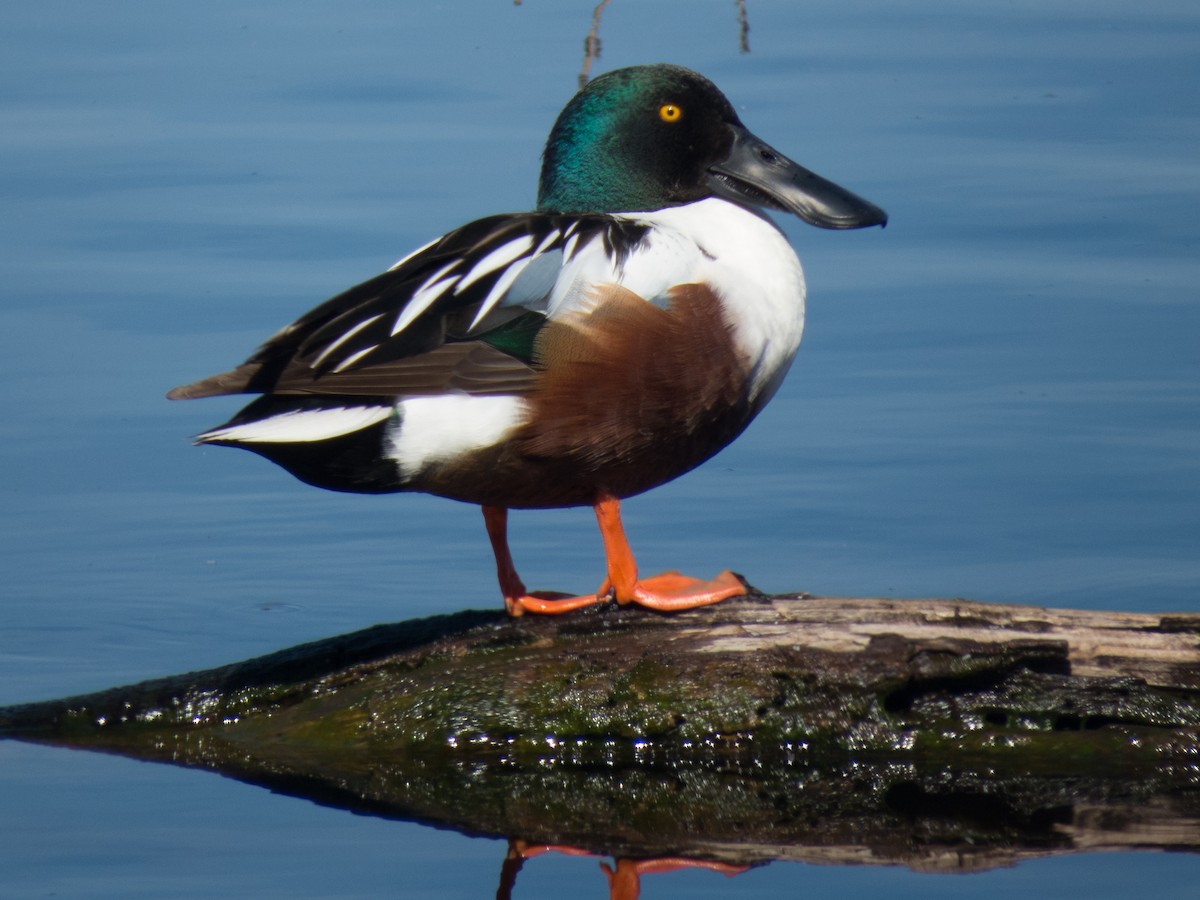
[624, 876]
[725, 814]
[666, 743]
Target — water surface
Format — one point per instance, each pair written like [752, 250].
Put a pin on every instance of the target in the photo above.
[996, 396]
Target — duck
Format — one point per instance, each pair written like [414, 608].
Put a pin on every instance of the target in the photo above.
[612, 339]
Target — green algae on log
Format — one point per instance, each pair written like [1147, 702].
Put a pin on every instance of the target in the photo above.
[769, 722]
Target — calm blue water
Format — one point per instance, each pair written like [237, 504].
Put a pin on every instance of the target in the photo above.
[996, 398]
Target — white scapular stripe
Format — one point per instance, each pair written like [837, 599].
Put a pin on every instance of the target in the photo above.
[545, 244]
[537, 280]
[424, 296]
[353, 358]
[499, 289]
[301, 425]
[345, 337]
[501, 256]
[414, 254]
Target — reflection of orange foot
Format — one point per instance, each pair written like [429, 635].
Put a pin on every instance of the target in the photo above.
[667, 592]
[529, 851]
[518, 852]
[625, 882]
[674, 864]
[624, 875]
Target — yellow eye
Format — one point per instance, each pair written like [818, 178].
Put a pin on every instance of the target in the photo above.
[669, 112]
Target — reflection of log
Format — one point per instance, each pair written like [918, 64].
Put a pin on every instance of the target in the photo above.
[939, 733]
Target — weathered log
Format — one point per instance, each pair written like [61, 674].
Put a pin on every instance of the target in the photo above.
[932, 732]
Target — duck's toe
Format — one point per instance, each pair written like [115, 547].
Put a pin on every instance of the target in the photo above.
[549, 602]
[671, 591]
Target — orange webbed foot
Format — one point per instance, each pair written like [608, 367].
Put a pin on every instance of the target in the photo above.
[666, 592]
[671, 591]
[549, 602]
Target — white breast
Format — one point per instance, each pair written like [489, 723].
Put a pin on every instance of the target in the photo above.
[740, 254]
[747, 260]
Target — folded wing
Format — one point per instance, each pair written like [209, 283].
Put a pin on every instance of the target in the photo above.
[459, 315]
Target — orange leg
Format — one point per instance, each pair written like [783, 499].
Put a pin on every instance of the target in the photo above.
[518, 600]
[623, 876]
[668, 591]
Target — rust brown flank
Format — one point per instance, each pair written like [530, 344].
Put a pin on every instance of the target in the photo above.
[631, 395]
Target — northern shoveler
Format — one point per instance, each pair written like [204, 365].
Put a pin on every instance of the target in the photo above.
[609, 341]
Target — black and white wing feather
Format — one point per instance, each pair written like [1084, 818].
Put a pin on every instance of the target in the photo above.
[459, 314]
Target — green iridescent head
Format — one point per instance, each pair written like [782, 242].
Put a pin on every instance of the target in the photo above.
[648, 137]
[634, 139]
